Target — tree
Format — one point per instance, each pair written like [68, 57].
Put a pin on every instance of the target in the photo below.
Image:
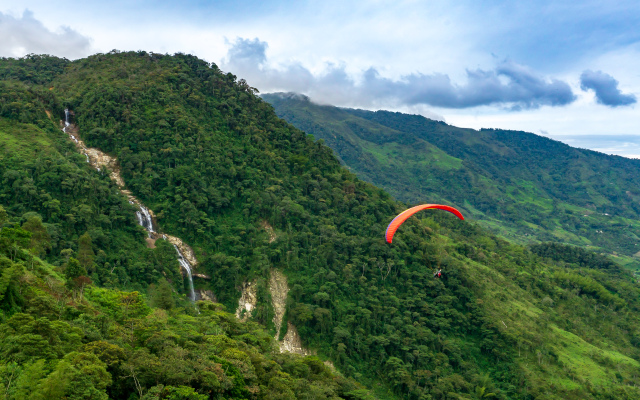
[3, 216]
[40, 239]
[14, 239]
[173, 393]
[77, 376]
[72, 271]
[66, 253]
[85, 251]
[26, 381]
[110, 354]
[163, 296]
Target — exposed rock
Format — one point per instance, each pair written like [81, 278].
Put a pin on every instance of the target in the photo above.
[99, 160]
[184, 249]
[270, 231]
[202, 276]
[151, 242]
[292, 342]
[207, 295]
[330, 365]
[279, 290]
[247, 302]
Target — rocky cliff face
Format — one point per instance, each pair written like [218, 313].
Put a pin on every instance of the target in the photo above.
[270, 231]
[292, 342]
[207, 295]
[279, 289]
[247, 302]
[186, 251]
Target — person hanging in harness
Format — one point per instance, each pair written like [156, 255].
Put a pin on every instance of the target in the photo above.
[438, 273]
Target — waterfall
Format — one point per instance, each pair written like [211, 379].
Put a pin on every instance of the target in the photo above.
[187, 267]
[66, 122]
[144, 219]
[143, 214]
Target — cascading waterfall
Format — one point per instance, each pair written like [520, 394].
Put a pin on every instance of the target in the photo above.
[144, 219]
[143, 215]
[66, 121]
[187, 267]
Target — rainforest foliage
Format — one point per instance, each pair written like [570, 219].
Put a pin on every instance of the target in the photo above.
[75, 340]
[44, 179]
[216, 165]
[522, 186]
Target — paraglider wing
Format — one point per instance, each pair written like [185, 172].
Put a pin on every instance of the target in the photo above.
[403, 216]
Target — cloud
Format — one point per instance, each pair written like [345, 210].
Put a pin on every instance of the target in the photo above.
[605, 88]
[21, 36]
[248, 52]
[509, 84]
[622, 145]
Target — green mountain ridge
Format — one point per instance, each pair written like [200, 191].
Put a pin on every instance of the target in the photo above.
[215, 163]
[522, 186]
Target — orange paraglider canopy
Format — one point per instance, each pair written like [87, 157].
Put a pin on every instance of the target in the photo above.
[403, 216]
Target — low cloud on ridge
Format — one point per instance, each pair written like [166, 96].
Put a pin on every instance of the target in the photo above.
[509, 85]
[25, 35]
[605, 88]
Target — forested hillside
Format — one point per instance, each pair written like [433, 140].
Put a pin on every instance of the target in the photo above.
[62, 337]
[522, 186]
[217, 165]
[102, 316]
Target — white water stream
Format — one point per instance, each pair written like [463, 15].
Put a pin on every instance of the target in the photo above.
[144, 219]
[187, 267]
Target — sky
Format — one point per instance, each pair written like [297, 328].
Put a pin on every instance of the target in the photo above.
[563, 69]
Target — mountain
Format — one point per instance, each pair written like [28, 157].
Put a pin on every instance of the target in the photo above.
[259, 201]
[524, 187]
[87, 310]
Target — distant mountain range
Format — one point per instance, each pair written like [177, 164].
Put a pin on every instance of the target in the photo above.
[522, 186]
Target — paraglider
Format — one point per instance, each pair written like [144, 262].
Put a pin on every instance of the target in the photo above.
[403, 216]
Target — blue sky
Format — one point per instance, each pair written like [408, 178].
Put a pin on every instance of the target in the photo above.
[568, 70]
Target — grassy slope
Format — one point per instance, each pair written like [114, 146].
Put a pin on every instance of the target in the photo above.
[557, 351]
[522, 186]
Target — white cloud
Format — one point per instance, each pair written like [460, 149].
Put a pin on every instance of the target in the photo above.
[509, 84]
[23, 35]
